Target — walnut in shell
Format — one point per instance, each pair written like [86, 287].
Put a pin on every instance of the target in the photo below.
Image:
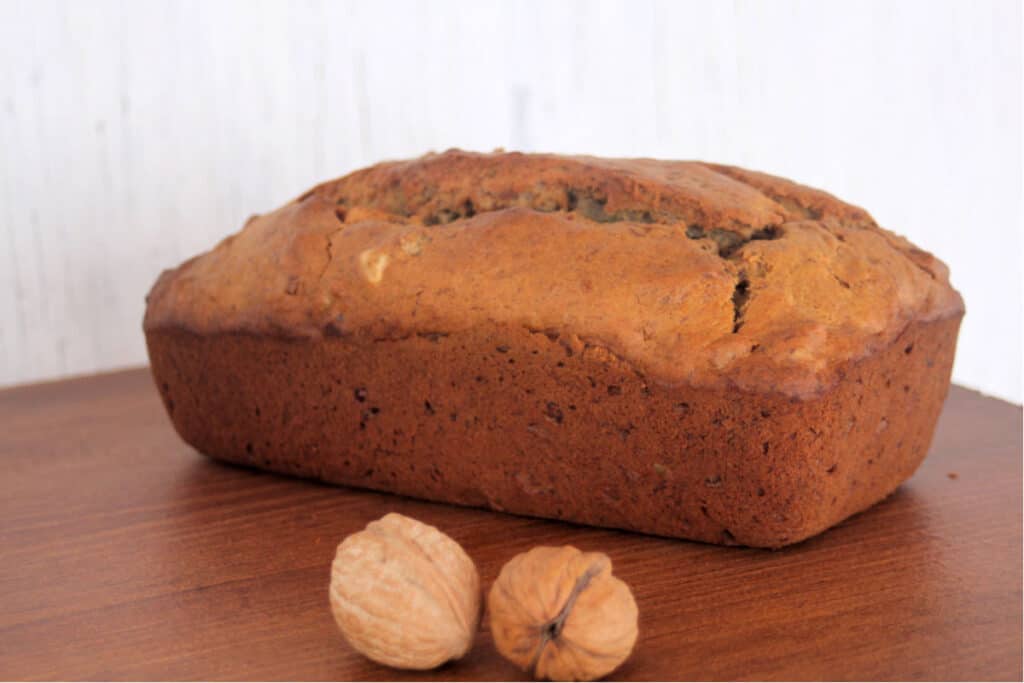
[560, 614]
[404, 594]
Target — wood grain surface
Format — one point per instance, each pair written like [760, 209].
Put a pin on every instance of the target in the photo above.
[125, 555]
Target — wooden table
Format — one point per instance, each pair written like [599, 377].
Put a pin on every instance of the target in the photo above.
[125, 555]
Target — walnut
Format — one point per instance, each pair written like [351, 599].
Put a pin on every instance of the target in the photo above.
[412, 243]
[404, 594]
[560, 614]
[372, 263]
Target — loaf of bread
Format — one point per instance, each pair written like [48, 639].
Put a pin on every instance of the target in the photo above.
[677, 348]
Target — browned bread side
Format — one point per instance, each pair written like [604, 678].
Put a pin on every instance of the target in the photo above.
[671, 347]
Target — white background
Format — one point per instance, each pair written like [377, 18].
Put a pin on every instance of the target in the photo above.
[135, 134]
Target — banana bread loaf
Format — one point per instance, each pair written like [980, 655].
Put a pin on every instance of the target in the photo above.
[677, 348]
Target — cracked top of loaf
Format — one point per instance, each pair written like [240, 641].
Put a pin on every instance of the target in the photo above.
[694, 273]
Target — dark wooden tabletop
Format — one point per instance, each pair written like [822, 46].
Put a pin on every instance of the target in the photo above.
[125, 555]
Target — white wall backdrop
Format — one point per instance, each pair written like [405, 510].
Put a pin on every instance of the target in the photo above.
[134, 134]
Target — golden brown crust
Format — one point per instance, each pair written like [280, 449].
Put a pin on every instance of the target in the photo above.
[700, 274]
[677, 348]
